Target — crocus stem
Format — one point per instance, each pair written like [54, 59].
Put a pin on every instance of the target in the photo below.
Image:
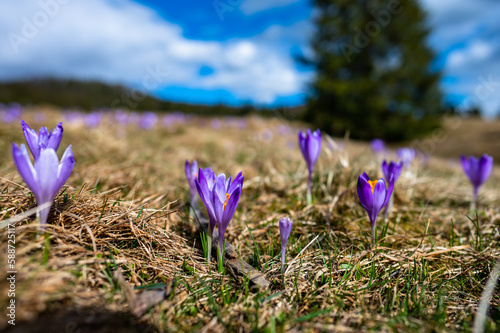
[283, 258]
[220, 254]
[221, 249]
[473, 201]
[309, 195]
[209, 248]
[374, 235]
[38, 221]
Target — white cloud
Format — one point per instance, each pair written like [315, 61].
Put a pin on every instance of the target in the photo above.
[122, 42]
[249, 7]
[467, 33]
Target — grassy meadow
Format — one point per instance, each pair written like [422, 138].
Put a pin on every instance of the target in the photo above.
[121, 228]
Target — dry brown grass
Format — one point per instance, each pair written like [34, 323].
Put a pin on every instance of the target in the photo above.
[426, 274]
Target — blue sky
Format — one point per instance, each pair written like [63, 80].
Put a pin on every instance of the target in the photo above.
[229, 51]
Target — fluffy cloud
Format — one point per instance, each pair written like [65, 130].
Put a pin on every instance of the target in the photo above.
[466, 34]
[125, 42]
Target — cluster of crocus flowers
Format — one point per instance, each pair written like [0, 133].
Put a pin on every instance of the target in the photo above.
[310, 146]
[477, 170]
[285, 225]
[48, 175]
[373, 196]
[220, 195]
[392, 171]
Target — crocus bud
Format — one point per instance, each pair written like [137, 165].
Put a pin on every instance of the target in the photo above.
[477, 170]
[285, 228]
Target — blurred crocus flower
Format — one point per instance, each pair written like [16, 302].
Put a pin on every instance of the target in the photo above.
[373, 196]
[378, 146]
[310, 146]
[406, 155]
[93, 119]
[47, 177]
[393, 169]
[285, 229]
[220, 197]
[43, 139]
[11, 113]
[477, 170]
[148, 120]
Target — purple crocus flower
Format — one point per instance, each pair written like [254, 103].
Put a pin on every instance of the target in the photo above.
[285, 229]
[220, 197]
[378, 146]
[373, 196]
[44, 138]
[406, 155]
[47, 177]
[477, 170]
[393, 169]
[310, 146]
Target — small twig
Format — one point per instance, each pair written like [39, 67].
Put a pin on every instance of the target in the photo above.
[23, 215]
[298, 255]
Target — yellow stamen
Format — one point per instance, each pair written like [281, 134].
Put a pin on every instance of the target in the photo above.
[373, 183]
[227, 199]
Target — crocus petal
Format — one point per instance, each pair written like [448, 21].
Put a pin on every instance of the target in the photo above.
[204, 193]
[465, 165]
[55, 137]
[231, 206]
[313, 149]
[25, 168]
[228, 183]
[46, 168]
[43, 137]
[303, 143]
[365, 192]
[302, 140]
[31, 139]
[218, 200]
[194, 168]
[65, 168]
[385, 169]
[187, 169]
[485, 167]
[238, 181]
[389, 191]
[379, 196]
[396, 170]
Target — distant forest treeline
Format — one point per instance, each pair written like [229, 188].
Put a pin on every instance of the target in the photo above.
[91, 95]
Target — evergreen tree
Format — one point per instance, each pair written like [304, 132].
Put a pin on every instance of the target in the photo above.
[373, 70]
